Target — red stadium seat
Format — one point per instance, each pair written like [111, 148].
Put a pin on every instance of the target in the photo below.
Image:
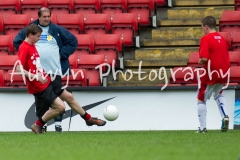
[77, 78]
[8, 7]
[33, 17]
[160, 3]
[111, 47]
[143, 9]
[93, 77]
[32, 7]
[86, 6]
[60, 6]
[1, 24]
[236, 41]
[80, 51]
[126, 25]
[6, 44]
[99, 25]
[235, 74]
[90, 61]
[227, 37]
[73, 61]
[2, 84]
[8, 61]
[234, 58]
[85, 44]
[54, 18]
[237, 5]
[113, 7]
[193, 60]
[14, 23]
[14, 79]
[72, 22]
[85, 41]
[230, 21]
[183, 76]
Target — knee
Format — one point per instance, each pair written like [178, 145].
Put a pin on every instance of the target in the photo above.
[61, 108]
[69, 98]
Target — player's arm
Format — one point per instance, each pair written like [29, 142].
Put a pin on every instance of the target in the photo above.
[30, 76]
[203, 51]
[27, 74]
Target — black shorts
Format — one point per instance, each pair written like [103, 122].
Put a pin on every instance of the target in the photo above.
[44, 99]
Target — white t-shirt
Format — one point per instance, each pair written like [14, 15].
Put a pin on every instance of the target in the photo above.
[49, 52]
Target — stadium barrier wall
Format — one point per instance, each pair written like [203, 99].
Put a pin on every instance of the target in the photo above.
[139, 109]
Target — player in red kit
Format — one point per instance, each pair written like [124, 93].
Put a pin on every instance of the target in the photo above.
[214, 56]
[40, 85]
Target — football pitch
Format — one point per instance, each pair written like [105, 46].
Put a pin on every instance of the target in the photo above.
[121, 145]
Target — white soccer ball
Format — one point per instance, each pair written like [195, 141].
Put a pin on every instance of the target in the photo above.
[110, 113]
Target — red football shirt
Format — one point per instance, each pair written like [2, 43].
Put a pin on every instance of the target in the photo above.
[213, 47]
[30, 61]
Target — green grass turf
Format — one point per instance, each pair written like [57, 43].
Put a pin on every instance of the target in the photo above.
[128, 145]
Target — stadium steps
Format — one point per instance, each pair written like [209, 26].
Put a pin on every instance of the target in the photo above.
[170, 42]
[177, 32]
[182, 28]
[158, 57]
[191, 16]
[180, 22]
[196, 12]
[163, 53]
[173, 36]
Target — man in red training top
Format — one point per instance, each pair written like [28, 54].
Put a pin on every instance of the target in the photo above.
[38, 83]
[214, 56]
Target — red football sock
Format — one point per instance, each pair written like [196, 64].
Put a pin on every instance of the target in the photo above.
[86, 116]
[39, 123]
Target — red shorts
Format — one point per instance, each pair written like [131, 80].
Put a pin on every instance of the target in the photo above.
[206, 91]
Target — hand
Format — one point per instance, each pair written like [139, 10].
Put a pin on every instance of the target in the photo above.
[202, 61]
[42, 79]
[199, 61]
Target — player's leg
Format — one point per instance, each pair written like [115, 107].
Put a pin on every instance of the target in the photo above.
[58, 122]
[202, 109]
[220, 100]
[43, 100]
[68, 97]
[57, 107]
[41, 108]
[57, 87]
[221, 103]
